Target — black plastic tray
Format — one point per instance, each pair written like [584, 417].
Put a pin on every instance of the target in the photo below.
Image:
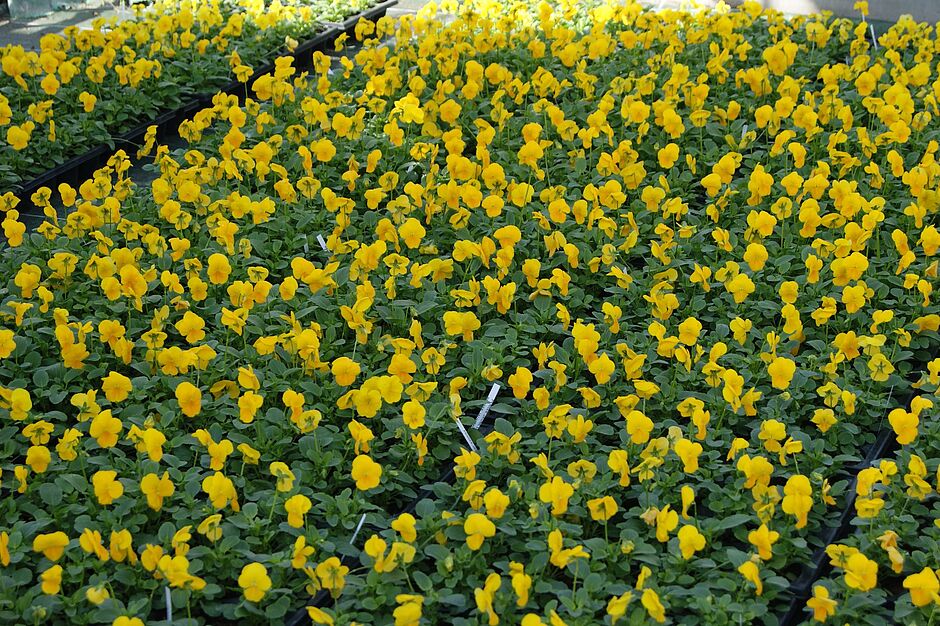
[78, 169]
[303, 59]
[378, 11]
[302, 55]
[802, 587]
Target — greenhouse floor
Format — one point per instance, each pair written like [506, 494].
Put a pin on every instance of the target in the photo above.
[28, 32]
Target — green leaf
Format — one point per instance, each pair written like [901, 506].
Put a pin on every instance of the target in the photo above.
[50, 494]
[41, 378]
[731, 521]
[278, 609]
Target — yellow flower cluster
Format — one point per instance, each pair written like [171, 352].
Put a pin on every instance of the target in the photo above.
[85, 86]
[688, 258]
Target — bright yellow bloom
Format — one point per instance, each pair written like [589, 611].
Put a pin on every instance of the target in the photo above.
[345, 371]
[366, 472]
[52, 545]
[602, 509]
[156, 489]
[254, 581]
[823, 606]
[189, 398]
[654, 607]
[690, 541]
[477, 528]
[297, 507]
[924, 587]
[107, 487]
[763, 539]
[861, 573]
[51, 580]
[116, 387]
[781, 371]
[463, 324]
[751, 573]
[798, 498]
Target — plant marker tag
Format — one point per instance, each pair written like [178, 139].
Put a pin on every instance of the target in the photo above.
[494, 391]
[306, 247]
[743, 132]
[322, 242]
[169, 605]
[362, 520]
[466, 435]
[874, 39]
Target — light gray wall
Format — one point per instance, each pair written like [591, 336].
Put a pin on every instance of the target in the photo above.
[28, 9]
[882, 10]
